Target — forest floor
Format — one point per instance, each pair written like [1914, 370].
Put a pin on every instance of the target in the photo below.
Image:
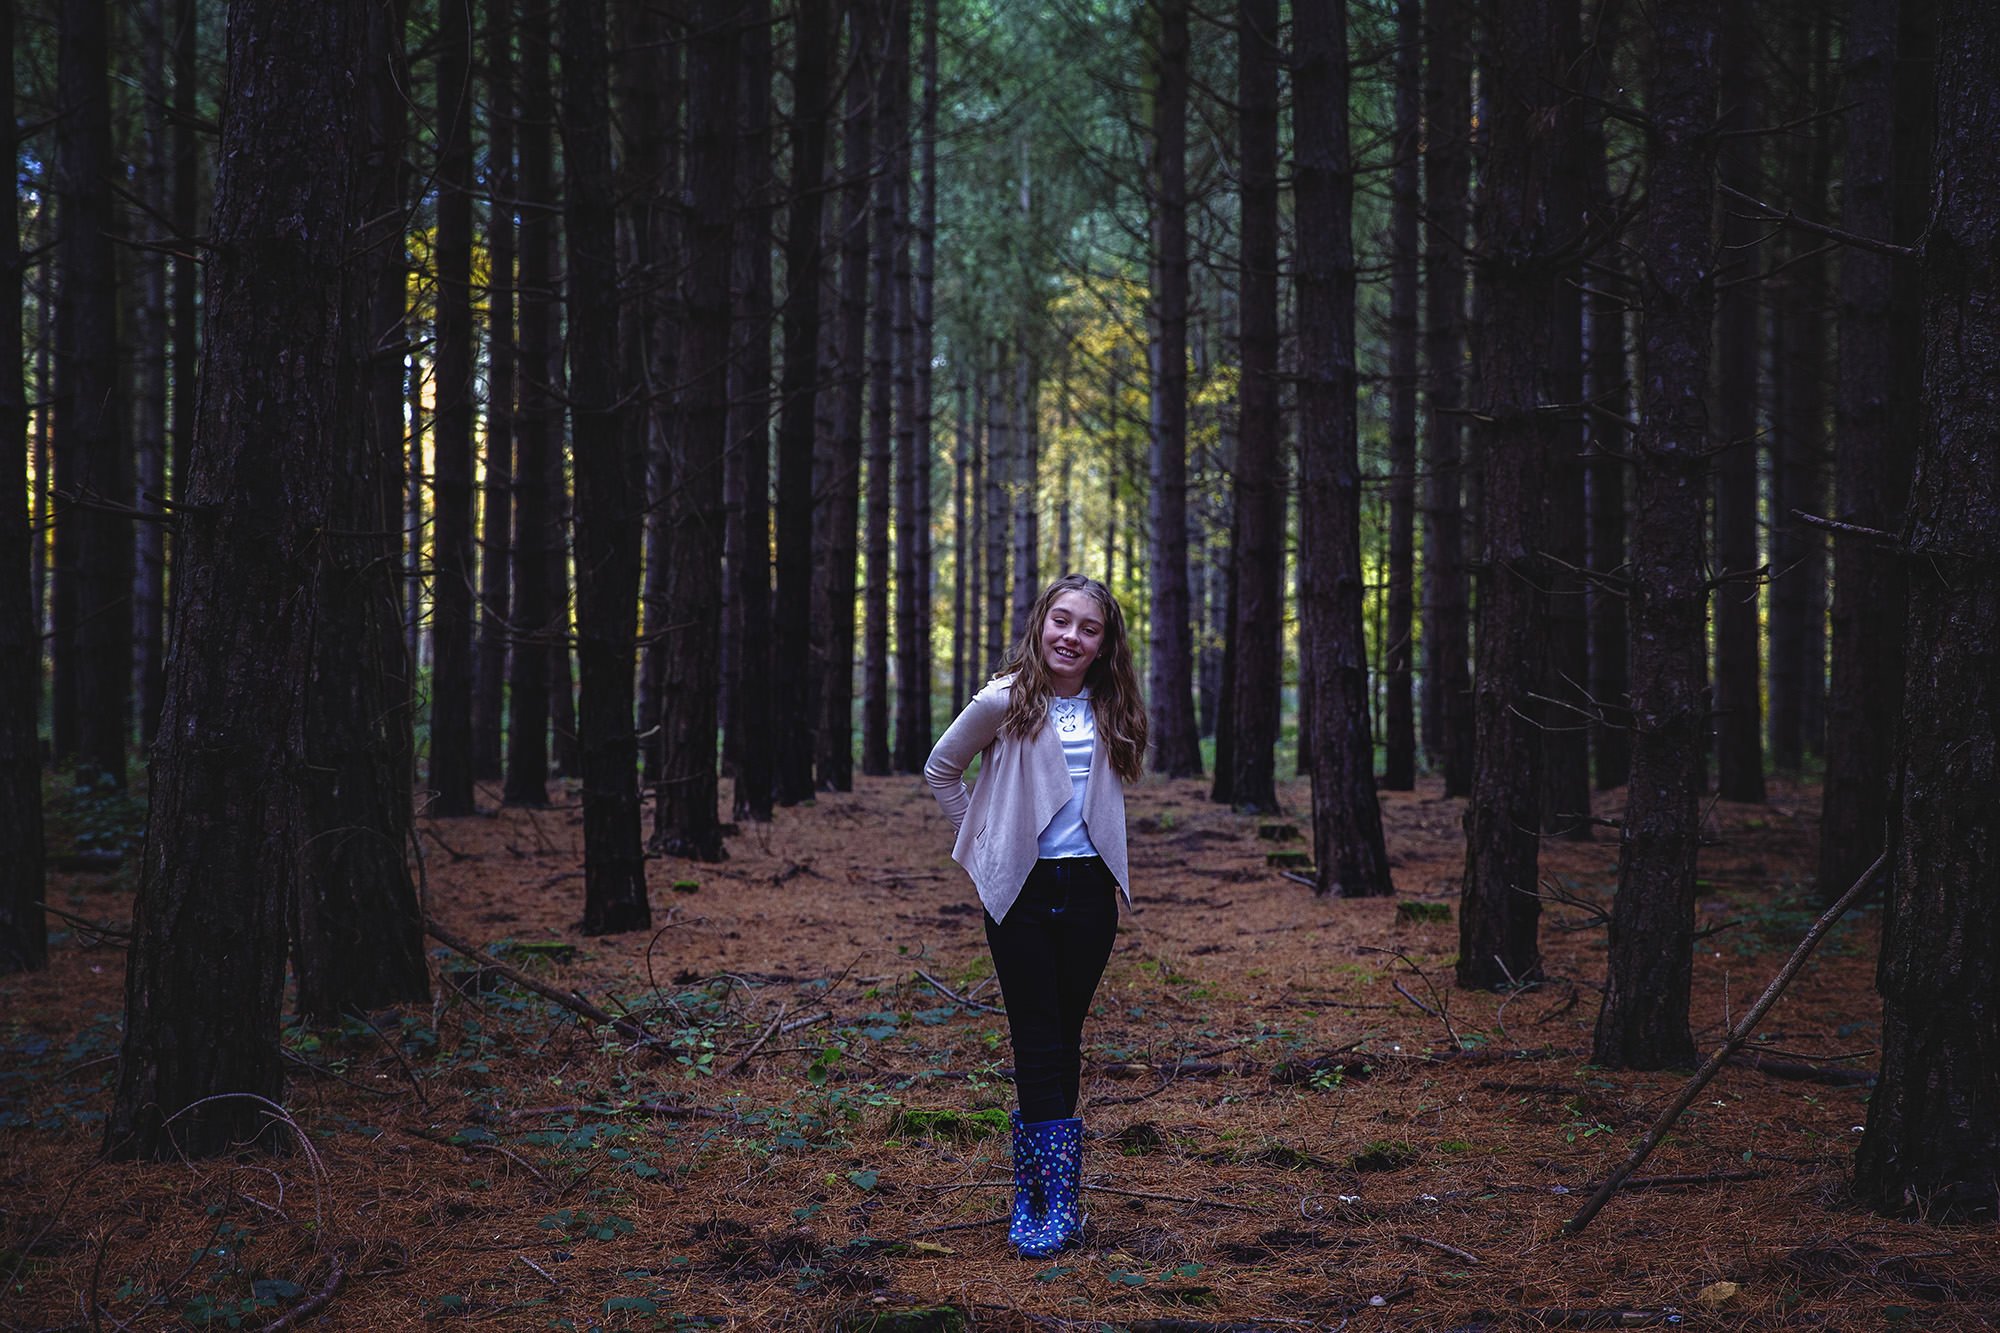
[1293, 1120]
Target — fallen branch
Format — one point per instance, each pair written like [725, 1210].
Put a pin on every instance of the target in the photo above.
[312, 1304]
[571, 1001]
[1692, 1178]
[953, 995]
[1735, 1041]
[1463, 1256]
[1802, 1072]
[1171, 1198]
[736, 1065]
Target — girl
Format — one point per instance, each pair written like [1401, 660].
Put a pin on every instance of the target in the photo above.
[1060, 731]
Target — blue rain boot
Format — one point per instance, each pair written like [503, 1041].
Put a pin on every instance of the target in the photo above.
[1030, 1213]
[1056, 1158]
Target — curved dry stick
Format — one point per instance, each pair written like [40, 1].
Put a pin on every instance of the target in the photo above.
[1736, 1038]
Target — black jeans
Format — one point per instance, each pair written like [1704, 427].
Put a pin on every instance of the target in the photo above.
[1049, 954]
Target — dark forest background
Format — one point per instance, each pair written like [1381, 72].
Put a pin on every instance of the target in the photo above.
[1591, 404]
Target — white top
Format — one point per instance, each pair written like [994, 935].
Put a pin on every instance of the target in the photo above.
[1075, 723]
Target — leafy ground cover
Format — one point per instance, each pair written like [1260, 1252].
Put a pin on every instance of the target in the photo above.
[1293, 1120]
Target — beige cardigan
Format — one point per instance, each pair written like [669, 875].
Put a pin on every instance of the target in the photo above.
[1022, 783]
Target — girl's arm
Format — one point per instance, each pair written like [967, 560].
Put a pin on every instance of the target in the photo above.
[971, 733]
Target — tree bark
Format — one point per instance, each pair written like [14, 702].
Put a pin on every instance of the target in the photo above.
[1871, 467]
[200, 1066]
[889, 131]
[913, 647]
[1643, 1023]
[1933, 1132]
[837, 471]
[23, 928]
[497, 493]
[1400, 737]
[685, 822]
[793, 684]
[749, 692]
[537, 537]
[1260, 475]
[1348, 849]
[1521, 263]
[609, 491]
[923, 310]
[451, 427]
[1447, 690]
[1739, 712]
[1175, 736]
[356, 928]
[96, 559]
[150, 417]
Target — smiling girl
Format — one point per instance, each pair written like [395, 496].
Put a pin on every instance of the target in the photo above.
[1061, 730]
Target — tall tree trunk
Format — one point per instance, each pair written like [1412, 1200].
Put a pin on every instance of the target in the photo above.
[999, 466]
[1643, 1023]
[1447, 693]
[97, 558]
[750, 423]
[1739, 712]
[913, 731]
[923, 320]
[889, 130]
[186, 208]
[1175, 735]
[793, 684]
[537, 543]
[1347, 822]
[357, 931]
[1872, 454]
[1607, 388]
[1400, 773]
[451, 430]
[837, 474]
[1798, 359]
[685, 822]
[963, 544]
[1260, 473]
[496, 514]
[1933, 1132]
[23, 928]
[1522, 264]
[223, 844]
[1027, 484]
[609, 492]
[150, 421]
[1566, 734]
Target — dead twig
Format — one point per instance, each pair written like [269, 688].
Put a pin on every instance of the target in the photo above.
[1463, 1256]
[1438, 1012]
[1737, 1037]
[571, 1001]
[736, 1066]
[1171, 1198]
[953, 995]
[314, 1303]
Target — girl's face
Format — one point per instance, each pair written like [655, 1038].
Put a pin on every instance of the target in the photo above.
[1072, 635]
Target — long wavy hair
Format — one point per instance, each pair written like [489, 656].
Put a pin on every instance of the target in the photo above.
[1114, 688]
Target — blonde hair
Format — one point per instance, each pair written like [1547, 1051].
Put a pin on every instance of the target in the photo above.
[1114, 687]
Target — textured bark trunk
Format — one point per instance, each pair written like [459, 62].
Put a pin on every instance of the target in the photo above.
[1933, 1134]
[1260, 474]
[496, 515]
[923, 320]
[912, 739]
[207, 967]
[357, 931]
[1522, 261]
[1400, 736]
[999, 469]
[1347, 822]
[23, 926]
[838, 469]
[1739, 714]
[1024, 408]
[1872, 456]
[1447, 690]
[150, 417]
[1607, 388]
[750, 424]
[609, 490]
[685, 822]
[97, 557]
[889, 130]
[962, 544]
[537, 538]
[793, 682]
[1643, 1023]
[1175, 735]
[451, 430]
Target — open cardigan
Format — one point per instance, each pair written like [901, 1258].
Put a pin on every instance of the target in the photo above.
[1022, 783]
